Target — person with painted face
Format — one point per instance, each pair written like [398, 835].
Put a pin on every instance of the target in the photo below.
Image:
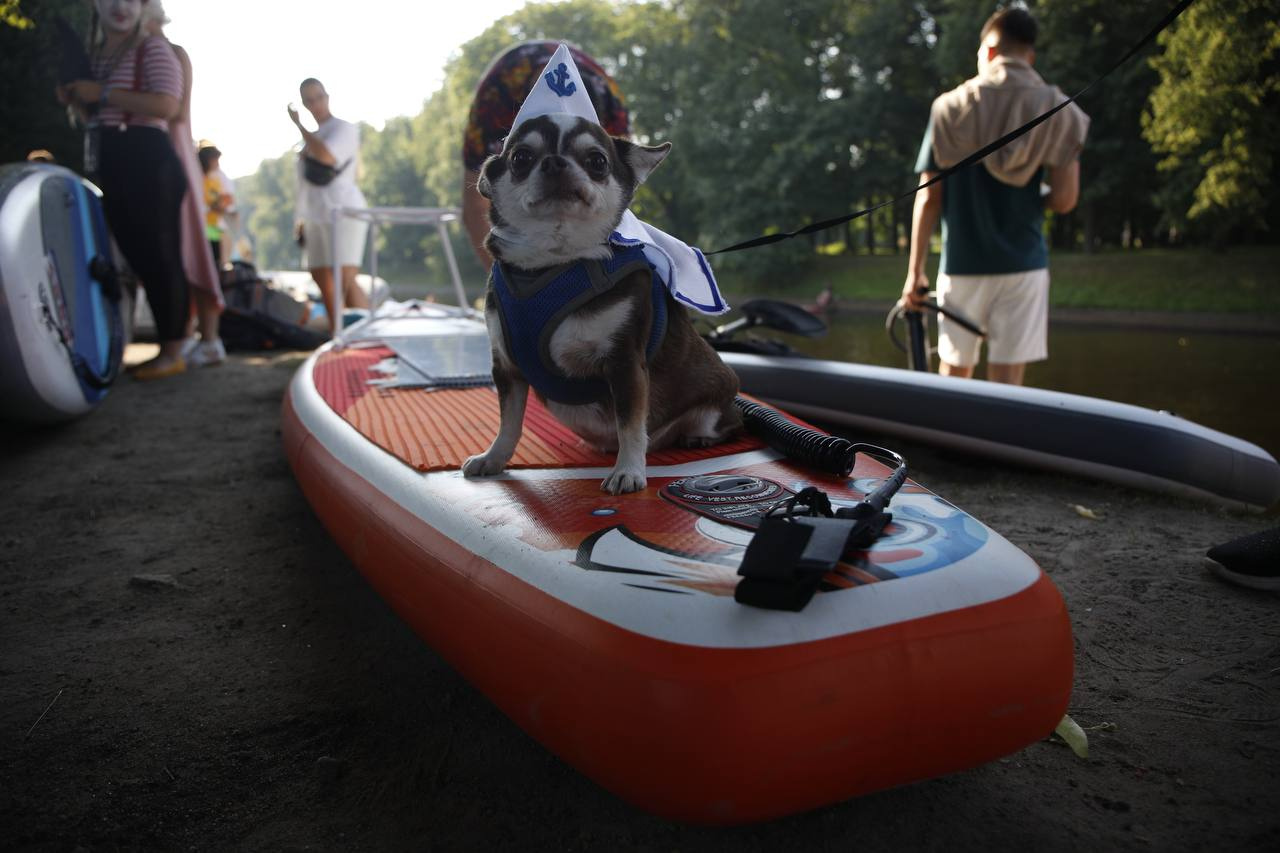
[326, 182]
[137, 88]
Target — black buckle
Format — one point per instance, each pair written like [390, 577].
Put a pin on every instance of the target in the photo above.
[787, 559]
[797, 543]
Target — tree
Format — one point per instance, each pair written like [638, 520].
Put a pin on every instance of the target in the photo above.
[266, 202]
[11, 15]
[958, 23]
[388, 178]
[1215, 116]
[30, 116]
[1079, 40]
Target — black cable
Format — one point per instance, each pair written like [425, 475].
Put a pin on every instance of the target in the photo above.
[830, 453]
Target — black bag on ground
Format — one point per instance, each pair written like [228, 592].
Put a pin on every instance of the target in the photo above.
[260, 317]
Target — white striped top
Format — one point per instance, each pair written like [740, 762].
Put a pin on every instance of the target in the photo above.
[160, 73]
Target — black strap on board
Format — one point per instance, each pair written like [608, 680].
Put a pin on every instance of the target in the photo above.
[972, 158]
[800, 540]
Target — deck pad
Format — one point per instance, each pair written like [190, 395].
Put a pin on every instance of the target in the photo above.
[436, 429]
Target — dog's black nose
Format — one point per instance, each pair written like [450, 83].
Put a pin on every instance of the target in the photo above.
[553, 164]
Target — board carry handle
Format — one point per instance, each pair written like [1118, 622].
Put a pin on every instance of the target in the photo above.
[104, 273]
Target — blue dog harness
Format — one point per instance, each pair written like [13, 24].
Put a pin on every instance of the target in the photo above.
[532, 306]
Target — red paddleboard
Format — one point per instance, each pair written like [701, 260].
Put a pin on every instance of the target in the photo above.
[606, 626]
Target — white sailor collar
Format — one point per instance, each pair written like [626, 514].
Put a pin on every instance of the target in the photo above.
[682, 267]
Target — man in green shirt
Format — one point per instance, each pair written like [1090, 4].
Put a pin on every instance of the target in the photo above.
[994, 266]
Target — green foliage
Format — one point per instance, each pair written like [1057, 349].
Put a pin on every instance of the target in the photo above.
[958, 25]
[387, 174]
[11, 15]
[1215, 115]
[740, 95]
[266, 202]
[1081, 39]
[30, 115]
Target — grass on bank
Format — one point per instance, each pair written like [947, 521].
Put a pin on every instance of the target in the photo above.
[1239, 280]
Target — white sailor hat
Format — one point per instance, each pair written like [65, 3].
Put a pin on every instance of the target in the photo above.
[559, 89]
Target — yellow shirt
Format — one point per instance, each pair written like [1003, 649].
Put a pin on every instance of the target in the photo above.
[212, 196]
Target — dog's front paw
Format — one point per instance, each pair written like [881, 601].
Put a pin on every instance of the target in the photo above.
[621, 481]
[483, 465]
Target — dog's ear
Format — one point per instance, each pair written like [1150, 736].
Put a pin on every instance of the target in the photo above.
[642, 159]
[483, 184]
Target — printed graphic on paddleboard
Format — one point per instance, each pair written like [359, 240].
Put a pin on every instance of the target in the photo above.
[926, 534]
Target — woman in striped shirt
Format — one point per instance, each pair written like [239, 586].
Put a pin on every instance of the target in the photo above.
[137, 90]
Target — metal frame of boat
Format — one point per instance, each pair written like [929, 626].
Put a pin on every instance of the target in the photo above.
[378, 217]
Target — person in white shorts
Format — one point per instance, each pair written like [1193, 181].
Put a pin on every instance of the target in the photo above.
[994, 267]
[1012, 307]
[327, 181]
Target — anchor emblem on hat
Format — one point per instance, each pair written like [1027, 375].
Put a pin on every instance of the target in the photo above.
[556, 81]
[557, 91]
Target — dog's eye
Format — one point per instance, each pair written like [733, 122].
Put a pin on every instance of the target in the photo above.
[597, 163]
[522, 158]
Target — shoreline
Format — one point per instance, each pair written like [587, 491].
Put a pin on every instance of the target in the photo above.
[1173, 321]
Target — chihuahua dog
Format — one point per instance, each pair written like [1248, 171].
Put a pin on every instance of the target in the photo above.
[584, 321]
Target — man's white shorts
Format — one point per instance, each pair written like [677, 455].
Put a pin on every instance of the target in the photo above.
[318, 236]
[1013, 308]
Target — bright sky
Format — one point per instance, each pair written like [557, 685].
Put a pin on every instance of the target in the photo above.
[377, 58]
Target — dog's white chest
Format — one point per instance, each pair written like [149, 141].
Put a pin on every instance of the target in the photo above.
[586, 338]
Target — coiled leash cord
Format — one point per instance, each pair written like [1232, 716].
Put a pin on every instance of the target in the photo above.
[830, 453]
[816, 449]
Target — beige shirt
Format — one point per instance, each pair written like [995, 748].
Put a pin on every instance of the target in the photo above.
[1006, 96]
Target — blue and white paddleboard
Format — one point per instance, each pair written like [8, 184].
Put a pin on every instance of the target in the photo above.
[60, 331]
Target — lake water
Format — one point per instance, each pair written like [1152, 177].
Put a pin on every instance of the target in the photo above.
[1223, 381]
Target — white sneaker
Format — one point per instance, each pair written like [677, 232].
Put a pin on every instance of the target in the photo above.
[189, 345]
[207, 354]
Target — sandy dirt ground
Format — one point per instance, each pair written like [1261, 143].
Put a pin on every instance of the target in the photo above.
[187, 662]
